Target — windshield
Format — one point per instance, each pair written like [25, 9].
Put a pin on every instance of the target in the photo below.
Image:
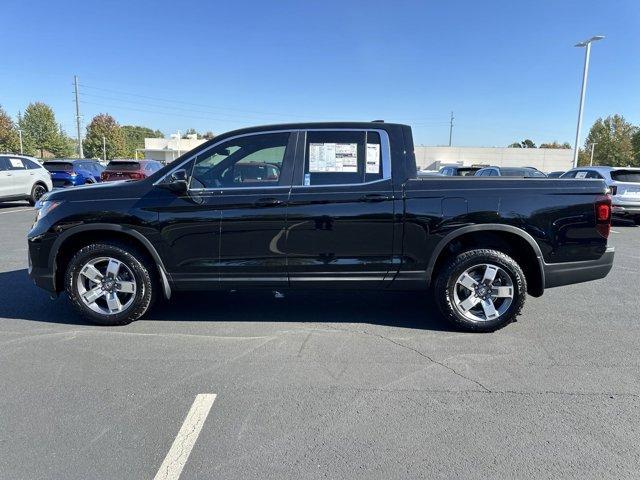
[58, 166]
[630, 176]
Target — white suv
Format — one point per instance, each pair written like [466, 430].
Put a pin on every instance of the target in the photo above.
[22, 178]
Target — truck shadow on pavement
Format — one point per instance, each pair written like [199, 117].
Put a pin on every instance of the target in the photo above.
[21, 299]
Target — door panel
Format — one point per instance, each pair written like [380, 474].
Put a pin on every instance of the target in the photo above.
[227, 228]
[252, 236]
[340, 221]
[340, 233]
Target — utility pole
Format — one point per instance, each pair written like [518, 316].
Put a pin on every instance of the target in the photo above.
[20, 133]
[583, 90]
[451, 128]
[104, 149]
[80, 152]
[593, 147]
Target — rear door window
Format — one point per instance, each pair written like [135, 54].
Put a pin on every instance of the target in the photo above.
[342, 157]
[16, 163]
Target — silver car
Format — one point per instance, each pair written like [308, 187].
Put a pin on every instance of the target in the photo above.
[624, 183]
[22, 178]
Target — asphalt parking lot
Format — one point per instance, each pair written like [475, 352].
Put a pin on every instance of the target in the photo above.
[340, 385]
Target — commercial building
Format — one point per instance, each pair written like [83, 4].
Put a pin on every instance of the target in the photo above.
[545, 159]
[166, 150]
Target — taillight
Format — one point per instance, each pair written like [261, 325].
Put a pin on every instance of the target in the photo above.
[603, 215]
[104, 176]
[136, 175]
[613, 189]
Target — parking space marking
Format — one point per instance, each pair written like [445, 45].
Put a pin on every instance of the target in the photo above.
[175, 460]
[16, 211]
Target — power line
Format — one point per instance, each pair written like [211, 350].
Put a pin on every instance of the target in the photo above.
[172, 107]
[173, 101]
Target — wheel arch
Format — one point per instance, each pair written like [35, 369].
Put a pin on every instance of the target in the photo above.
[84, 234]
[509, 239]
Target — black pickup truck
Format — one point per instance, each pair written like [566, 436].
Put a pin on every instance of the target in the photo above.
[319, 205]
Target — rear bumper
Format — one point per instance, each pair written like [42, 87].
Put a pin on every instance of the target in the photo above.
[558, 274]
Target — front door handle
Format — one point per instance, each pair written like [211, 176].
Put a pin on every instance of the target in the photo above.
[268, 202]
[375, 197]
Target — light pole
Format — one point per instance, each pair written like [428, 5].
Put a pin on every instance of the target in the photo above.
[593, 147]
[585, 73]
[20, 134]
[104, 149]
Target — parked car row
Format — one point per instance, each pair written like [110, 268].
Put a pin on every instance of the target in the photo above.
[25, 178]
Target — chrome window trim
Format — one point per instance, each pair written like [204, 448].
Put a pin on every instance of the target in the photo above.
[385, 152]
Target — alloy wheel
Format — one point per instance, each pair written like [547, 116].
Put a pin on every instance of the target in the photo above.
[106, 285]
[483, 292]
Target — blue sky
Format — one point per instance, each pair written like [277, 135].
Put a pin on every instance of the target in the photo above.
[508, 69]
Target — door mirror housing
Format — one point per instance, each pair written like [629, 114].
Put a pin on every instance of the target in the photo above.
[177, 181]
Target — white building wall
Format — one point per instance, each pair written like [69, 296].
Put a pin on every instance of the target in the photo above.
[168, 149]
[545, 159]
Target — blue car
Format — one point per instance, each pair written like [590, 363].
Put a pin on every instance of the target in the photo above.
[72, 172]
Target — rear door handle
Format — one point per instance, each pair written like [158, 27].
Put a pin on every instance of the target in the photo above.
[268, 202]
[375, 197]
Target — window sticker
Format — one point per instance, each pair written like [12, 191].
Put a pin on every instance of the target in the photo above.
[16, 163]
[333, 157]
[373, 158]
[581, 175]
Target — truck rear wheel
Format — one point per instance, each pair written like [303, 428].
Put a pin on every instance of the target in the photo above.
[481, 290]
[109, 283]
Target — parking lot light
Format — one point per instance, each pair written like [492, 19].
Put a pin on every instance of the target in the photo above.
[585, 73]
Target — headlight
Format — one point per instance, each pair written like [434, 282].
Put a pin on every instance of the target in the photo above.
[46, 207]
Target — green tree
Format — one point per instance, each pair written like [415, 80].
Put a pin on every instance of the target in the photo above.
[40, 131]
[104, 126]
[9, 138]
[191, 131]
[613, 137]
[555, 144]
[635, 143]
[134, 138]
[526, 143]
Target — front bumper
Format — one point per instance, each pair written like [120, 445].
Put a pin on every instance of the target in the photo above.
[567, 273]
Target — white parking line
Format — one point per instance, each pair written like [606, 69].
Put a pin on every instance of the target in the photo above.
[16, 211]
[185, 440]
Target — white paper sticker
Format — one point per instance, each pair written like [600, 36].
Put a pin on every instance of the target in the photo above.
[581, 175]
[16, 163]
[373, 158]
[333, 157]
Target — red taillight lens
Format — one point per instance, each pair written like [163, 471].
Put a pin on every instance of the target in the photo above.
[603, 215]
[603, 212]
[136, 176]
[104, 175]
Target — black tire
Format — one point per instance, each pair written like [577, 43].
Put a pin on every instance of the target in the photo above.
[136, 262]
[37, 191]
[445, 285]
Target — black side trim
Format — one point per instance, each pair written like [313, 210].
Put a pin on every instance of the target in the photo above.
[567, 273]
[487, 227]
[114, 228]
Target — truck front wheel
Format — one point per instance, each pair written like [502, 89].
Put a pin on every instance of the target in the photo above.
[480, 290]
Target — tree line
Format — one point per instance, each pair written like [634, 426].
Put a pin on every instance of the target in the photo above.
[615, 142]
[43, 136]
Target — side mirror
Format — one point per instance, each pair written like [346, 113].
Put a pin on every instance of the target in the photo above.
[177, 181]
